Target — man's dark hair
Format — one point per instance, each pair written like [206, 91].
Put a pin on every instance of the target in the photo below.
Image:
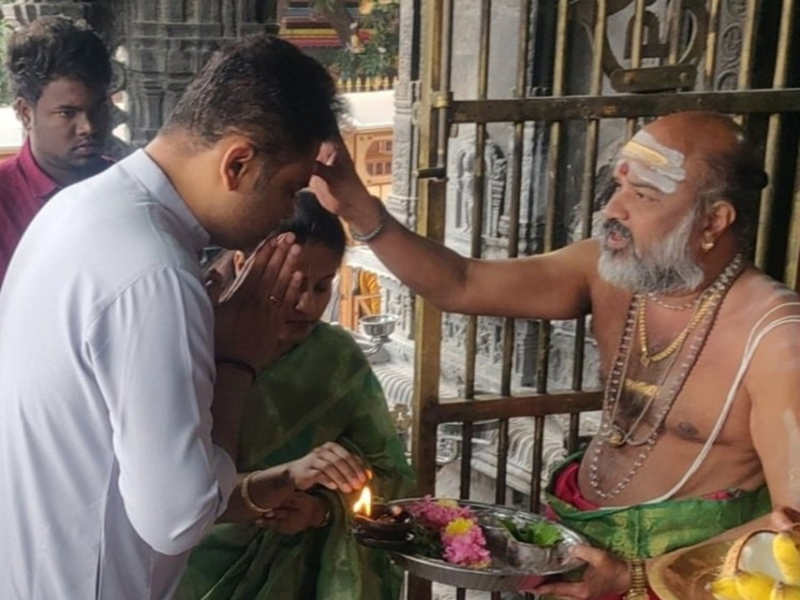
[54, 47]
[265, 88]
[311, 223]
[736, 175]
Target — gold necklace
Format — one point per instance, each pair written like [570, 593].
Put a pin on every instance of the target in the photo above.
[646, 358]
[648, 390]
[680, 307]
[614, 436]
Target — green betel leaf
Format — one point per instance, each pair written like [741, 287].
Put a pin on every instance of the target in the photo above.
[541, 534]
[511, 527]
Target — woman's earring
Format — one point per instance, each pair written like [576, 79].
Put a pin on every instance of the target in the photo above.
[707, 245]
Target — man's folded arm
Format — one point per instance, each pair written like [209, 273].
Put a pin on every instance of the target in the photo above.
[152, 353]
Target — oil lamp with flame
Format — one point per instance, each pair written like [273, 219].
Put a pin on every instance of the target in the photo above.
[380, 524]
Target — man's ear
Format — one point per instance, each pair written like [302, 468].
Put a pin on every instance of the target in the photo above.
[239, 258]
[238, 163]
[24, 112]
[719, 217]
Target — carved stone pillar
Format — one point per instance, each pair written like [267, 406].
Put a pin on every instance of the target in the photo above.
[402, 202]
[168, 42]
[729, 47]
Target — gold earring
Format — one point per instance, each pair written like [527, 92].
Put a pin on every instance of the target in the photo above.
[707, 245]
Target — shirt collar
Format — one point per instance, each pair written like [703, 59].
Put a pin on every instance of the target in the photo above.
[146, 170]
[41, 184]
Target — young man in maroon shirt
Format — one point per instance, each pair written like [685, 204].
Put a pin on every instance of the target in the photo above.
[60, 71]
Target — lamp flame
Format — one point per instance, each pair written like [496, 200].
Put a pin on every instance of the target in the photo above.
[364, 503]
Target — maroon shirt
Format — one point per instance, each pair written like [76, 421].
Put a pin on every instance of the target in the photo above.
[24, 188]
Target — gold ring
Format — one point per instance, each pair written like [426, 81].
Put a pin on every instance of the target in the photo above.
[274, 299]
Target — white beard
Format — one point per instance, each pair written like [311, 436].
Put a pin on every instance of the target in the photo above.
[668, 267]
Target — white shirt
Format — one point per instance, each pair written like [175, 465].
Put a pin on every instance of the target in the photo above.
[107, 472]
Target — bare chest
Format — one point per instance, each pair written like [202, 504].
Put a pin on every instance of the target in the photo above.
[656, 385]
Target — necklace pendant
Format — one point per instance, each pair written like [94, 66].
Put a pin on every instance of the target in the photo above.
[616, 437]
[646, 361]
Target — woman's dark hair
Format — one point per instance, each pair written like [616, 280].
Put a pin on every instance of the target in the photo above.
[54, 47]
[311, 223]
[265, 88]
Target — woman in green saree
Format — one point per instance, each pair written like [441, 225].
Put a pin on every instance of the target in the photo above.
[319, 404]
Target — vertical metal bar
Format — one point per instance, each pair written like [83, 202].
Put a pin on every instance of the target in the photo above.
[710, 62]
[772, 152]
[638, 34]
[675, 31]
[749, 28]
[636, 54]
[553, 162]
[479, 195]
[748, 37]
[446, 43]
[430, 223]
[536, 464]
[502, 461]
[792, 274]
[443, 96]
[476, 240]
[587, 201]
[520, 91]
[467, 430]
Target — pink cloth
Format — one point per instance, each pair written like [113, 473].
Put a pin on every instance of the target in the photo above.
[24, 189]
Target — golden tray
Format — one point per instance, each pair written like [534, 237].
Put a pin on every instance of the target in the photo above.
[684, 574]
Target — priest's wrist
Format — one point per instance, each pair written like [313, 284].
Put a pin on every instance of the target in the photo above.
[370, 222]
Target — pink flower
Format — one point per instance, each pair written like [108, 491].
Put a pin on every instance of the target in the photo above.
[462, 539]
[438, 513]
[464, 544]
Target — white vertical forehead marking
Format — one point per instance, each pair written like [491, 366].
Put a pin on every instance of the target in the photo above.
[654, 163]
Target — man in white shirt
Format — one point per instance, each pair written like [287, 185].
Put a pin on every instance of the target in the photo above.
[111, 364]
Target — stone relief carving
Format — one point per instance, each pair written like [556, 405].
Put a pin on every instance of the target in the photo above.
[655, 45]
[462, 190]
[729, 48]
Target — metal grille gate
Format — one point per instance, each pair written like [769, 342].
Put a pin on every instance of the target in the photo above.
[584, 68]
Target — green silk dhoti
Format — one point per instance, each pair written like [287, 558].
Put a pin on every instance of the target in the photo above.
[649, 530]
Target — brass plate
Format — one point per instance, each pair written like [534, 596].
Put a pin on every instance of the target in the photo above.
[684, 574]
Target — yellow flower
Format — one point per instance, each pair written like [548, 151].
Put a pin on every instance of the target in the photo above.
[447, 503]
[459, 526]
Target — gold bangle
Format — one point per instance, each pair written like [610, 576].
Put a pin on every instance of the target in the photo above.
[244, 489]
[638, 589]
[328, 509]
[328, 515]
[239, 365]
